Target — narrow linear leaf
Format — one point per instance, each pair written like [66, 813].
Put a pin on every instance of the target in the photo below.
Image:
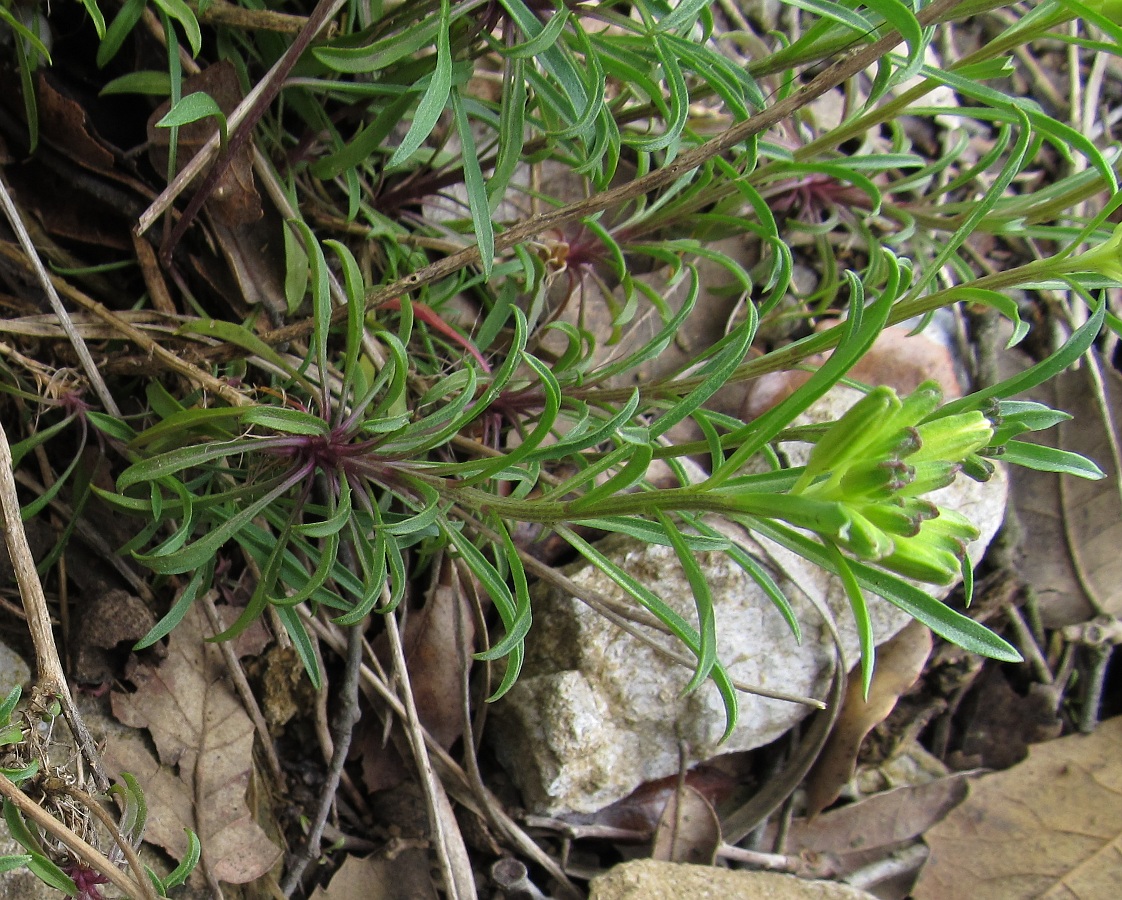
[435, 98]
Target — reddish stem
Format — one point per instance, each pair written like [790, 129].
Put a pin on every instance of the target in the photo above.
[431, 318]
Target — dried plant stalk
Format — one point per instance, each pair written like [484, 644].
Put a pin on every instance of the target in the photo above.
[50, 678]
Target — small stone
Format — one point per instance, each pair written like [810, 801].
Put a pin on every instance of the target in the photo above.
[648, 879]
[13, 670]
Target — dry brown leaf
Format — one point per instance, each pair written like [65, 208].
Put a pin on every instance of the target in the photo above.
[1049, 827]
[404, 877]
[688, 831]
[640, 810]
[235, 200]
[437, 639]
[880, 820]
[899, 663]
[203, 735]
[1072, 530]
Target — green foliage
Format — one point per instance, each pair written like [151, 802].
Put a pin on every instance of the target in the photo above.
[428, 132]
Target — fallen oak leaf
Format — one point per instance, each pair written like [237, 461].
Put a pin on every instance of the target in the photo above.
[1072, 526]
[404, 876]
[899, 663]
[689, 830]
[202, 732]
[1051, 826]
[880, 820]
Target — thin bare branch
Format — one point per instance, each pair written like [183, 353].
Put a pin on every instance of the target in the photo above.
[245, 692]
[344, 725]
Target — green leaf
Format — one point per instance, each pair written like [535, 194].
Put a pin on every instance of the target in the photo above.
[110, 426]
[305, 649]
[197, 554]
[636, 460]
[435, 98]
[288, 421]
[505, 603]
[703, 602]
[715, 375]
[552, 402]
[373, 560]
[20, 775]
[41, 436]
[181, 12]
[119, 29]
[157, 83]
[1027, 415]
[860, 616]
[193, 108]
[9, 704]
[177, 460]
[188, 426]
[478, 202]
[239, 336]
[356, 324]
[295, 270]
[201, 578]
[134, 815]
[1049, 459]
[51, 875]
[21, 833]
[1074, 348]
[186, 866]
[520, 626]
[936, 615]
[511, 133]
[677, 625]
[10, 734]
[8, 863]
[543, 40]
[359, 149]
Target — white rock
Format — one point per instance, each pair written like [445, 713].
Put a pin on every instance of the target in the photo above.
[596, 713]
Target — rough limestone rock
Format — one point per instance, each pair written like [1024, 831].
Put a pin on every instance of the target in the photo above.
[646, 879]
[596, 713]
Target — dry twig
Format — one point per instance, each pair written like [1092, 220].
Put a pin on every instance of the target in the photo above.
[344, 725]
[51, 679]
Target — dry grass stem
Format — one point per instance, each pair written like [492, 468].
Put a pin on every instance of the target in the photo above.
[448, 842]
[245, 692]
[44, 279]
[91, 856]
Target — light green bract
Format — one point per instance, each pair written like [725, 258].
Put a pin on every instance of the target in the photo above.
[875, 463]
[1106, 259]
